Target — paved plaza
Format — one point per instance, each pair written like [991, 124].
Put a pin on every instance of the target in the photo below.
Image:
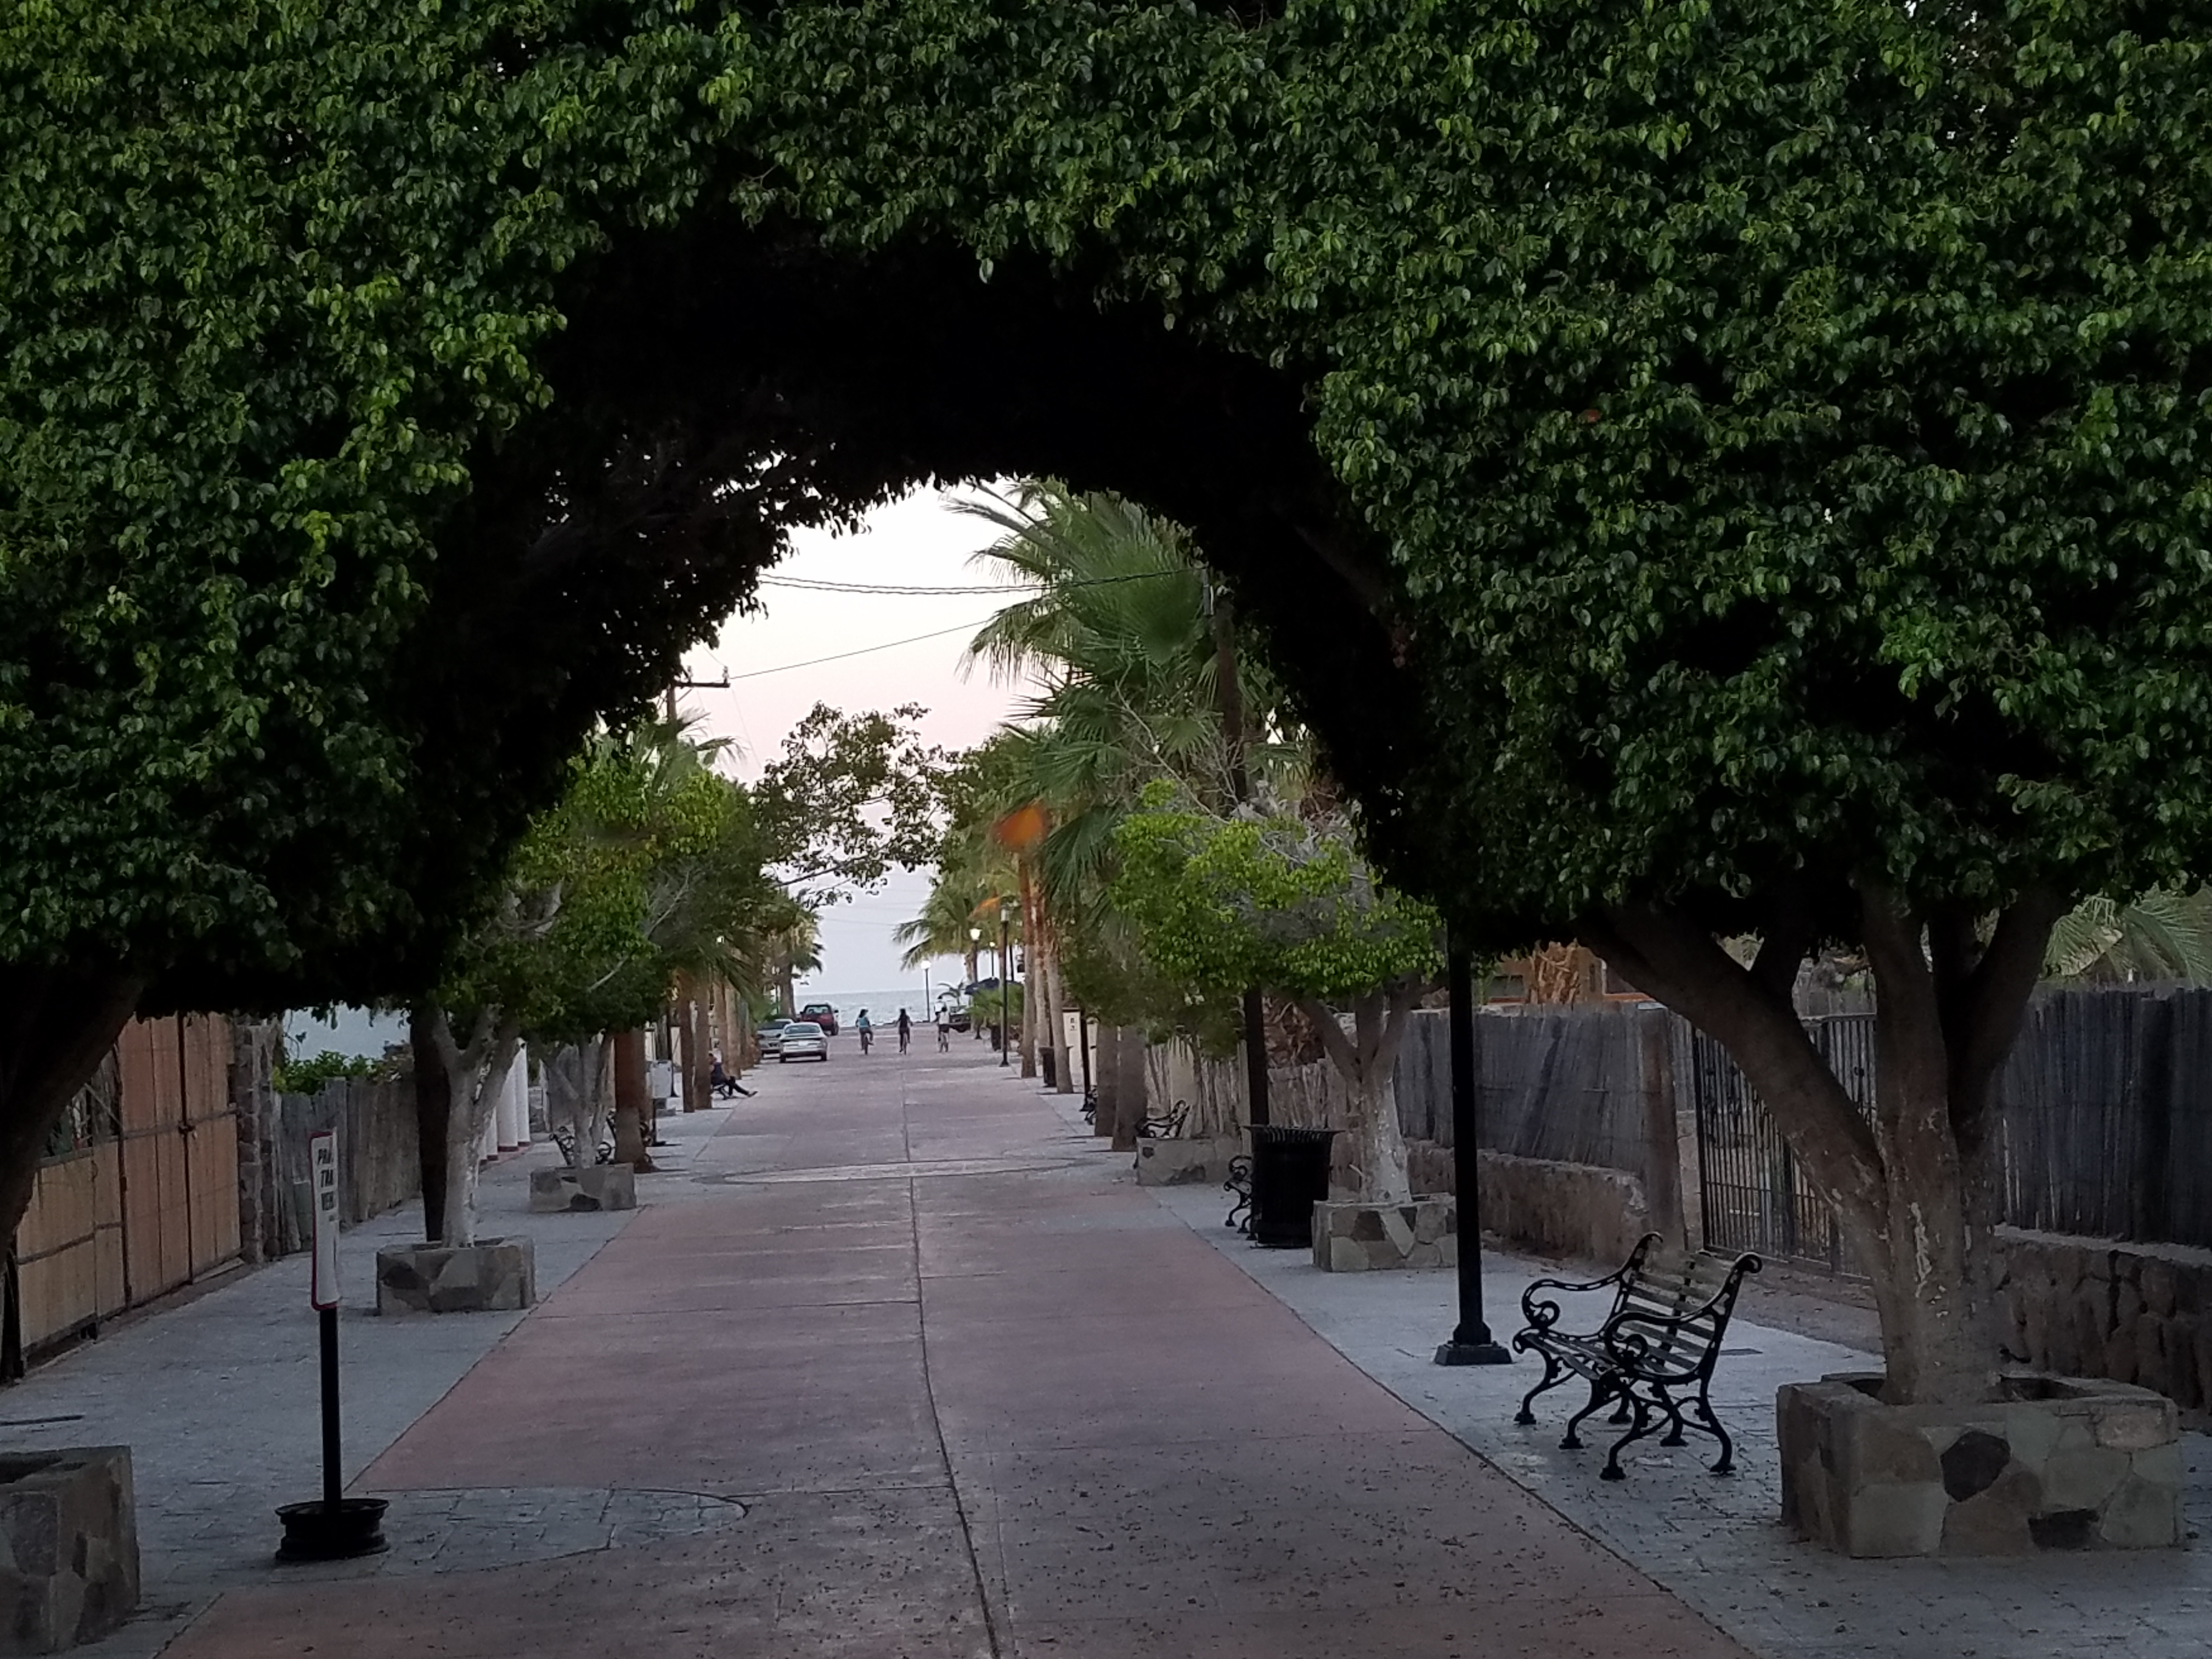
[896, 1360]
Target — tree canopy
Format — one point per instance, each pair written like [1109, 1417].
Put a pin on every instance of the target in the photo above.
[1701, 467]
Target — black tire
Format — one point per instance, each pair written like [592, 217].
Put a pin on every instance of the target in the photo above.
[780, 1059]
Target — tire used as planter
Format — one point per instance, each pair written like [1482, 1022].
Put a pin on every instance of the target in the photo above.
[1290, 1176]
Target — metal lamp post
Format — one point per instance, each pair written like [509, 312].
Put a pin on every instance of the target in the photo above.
[976, 939]
[1471, 1343]
[1006, 1020]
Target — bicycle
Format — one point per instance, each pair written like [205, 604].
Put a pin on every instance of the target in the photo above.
[867, 1036]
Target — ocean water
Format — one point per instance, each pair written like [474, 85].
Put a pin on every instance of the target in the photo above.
[882, 1007]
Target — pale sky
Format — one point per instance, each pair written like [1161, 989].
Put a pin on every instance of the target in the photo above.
[918, 541]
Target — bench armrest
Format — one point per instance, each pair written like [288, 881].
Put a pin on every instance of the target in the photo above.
[1635, 1339]
[1542, 1315]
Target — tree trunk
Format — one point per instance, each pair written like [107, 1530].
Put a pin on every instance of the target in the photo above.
[433, 1112]
[629, 1102]
[1367, 1061]
[696, 1089]
[475, 1076]
[1108, 1090]
[1913, 1187]
[1056, 1005]
[1380, 1144]
[56, 1028]
[1130, 1051]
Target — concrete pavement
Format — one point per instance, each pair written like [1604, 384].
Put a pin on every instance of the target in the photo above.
[950, 1385]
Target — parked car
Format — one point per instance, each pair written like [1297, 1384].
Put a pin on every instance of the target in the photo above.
[954, 1014]
[770, 1037]
[823, 1015]
[802, 1038]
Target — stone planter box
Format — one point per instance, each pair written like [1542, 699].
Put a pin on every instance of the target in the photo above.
[68, 1547]
[2062, 1463]
[601, 1186]
[489, 1276]
[1186, 1163]
[1350, 1237]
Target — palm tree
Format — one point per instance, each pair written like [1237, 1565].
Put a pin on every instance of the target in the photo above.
[1137, 674]
[2161, 935]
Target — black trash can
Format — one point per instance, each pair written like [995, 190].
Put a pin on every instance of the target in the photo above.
[1290, 1176]
[1044, 1062]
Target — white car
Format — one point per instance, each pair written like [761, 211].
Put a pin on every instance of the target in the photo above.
[803, 1037]
[770, 1038]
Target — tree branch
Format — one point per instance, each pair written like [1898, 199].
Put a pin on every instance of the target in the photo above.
[1996, 1000]
[1333, 1040]
[1684, 968]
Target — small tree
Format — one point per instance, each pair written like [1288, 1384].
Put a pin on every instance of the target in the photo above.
[1287, 904]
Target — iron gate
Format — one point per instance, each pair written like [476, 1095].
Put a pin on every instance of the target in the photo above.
[1755, 1196]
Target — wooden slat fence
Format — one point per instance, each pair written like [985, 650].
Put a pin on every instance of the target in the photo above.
[1565, 1084]
[2108, 1115]
[139, 1194]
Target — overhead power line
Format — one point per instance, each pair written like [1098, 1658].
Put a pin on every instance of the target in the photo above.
[812, 585]
[866, 650]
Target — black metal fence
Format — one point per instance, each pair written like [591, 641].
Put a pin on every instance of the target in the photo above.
[1753, 1196]
[2103, 1114]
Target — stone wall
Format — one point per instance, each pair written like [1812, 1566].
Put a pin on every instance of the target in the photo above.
[1576, 1211]
[2135, 1313]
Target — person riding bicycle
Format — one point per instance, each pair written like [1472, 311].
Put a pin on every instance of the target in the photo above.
[905, 1030]
[867, 1031]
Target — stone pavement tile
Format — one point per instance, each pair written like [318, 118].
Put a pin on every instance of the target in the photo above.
[819, 1573]
[1040, 1292]
[862, 1417]
[1652, 1627]
[1409, 1518]
[818, 1275]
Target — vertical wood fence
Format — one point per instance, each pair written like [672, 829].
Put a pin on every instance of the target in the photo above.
[139, 1194]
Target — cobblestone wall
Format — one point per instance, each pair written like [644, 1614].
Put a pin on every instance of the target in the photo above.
[2136, 1312]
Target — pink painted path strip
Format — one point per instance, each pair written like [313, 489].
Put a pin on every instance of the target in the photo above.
[1018, 1411]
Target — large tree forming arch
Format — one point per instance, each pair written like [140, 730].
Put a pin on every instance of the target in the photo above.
[1704, 465]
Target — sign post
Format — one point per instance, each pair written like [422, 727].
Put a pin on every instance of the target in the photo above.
[337, 1526]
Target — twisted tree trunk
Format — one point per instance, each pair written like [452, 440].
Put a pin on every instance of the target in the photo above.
[1913, 1184]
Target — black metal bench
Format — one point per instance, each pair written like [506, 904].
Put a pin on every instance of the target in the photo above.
[1239, 1187]
[1652, 1358]
[1165, 1128]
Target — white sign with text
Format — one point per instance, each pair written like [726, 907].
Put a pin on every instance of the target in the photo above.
[323, 1171]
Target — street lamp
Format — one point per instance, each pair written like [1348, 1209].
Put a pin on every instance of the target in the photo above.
[974, 944]
[1005, 1022]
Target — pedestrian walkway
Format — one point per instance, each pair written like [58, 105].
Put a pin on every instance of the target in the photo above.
[897, 1362]
[948, 1383]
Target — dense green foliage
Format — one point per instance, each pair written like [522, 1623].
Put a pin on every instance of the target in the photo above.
[1677, 450]
[1280, 903]
[307, 1076]
[650, 865]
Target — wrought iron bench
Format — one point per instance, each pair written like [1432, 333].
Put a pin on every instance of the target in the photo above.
[1239, 1187]
[1652, 1358]
[1165, 1128]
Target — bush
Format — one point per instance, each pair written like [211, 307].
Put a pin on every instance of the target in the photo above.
[308, 1076]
